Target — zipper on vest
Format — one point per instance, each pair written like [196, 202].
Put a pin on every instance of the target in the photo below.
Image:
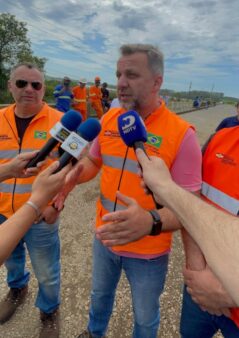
[19, 143]
[15, 180]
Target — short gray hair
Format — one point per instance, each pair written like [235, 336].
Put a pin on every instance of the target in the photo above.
[28, 65]
[154, 55]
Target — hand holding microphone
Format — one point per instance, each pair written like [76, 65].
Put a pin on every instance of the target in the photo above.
[73, 146]
[133, 133]
[77, 141]
[61, 130]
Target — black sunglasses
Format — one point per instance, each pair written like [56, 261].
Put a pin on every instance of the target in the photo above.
[23, 83]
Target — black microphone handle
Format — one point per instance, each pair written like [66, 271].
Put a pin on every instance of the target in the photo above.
[64, 160]
[42, 154]
[140, 145]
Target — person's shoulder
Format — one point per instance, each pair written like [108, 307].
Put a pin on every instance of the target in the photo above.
[52, 111]
[174, 116]
[56, 112]
[115, 103]
[9, 107]
[229, 118]
[2, 110]
[112, 114]
[227, 131]
[228, 122]
[59, 86]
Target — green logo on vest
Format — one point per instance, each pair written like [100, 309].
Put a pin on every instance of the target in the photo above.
[154, 140]
[40, 134]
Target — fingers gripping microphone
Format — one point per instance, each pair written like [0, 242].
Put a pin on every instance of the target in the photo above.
[133, 133]
[76, 142]
[61, 130]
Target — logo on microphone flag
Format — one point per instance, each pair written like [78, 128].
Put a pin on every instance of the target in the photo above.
[74, 145]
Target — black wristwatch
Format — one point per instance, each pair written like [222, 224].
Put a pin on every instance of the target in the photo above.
[157, 223]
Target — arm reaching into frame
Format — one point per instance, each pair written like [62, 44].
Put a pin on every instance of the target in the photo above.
[44, 188]
[16, 167]
[216, 232]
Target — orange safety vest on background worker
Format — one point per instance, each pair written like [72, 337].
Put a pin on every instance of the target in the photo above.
[221, 176]
[95, 96]
[15, 192]
[80, 100]
[165, 134]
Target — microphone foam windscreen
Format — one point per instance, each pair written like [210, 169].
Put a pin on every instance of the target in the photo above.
[131, 128]
[89, 129]
[71, 119]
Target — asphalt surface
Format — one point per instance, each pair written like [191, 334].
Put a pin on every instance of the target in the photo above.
[76, 232]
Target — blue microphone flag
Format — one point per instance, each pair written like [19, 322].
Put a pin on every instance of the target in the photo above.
[131, 128]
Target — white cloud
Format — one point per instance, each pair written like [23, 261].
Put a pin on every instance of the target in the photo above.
[199, 39]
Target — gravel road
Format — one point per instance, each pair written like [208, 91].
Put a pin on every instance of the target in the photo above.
[76, 238]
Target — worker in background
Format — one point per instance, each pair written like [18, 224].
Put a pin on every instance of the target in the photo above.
[105, 97]
[63, 95]
[80, 98]
[95, 96]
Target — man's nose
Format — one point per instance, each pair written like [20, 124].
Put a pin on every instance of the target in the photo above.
[122, 81]
[29, 87]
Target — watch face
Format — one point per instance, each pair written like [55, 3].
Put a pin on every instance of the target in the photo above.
[157, 223]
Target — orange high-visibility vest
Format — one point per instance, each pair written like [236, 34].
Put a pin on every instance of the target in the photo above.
[95, 93]
[221, 176]
[16, 191]
[80, 98]
[220, 172]
[165, 134]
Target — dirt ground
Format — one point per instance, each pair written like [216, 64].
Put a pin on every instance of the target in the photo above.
[76, 237]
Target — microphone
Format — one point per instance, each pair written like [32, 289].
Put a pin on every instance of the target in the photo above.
[133, 132]
[61, 130]
[76, 142]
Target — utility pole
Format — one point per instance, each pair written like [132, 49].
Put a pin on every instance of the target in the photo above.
[212, 91]
[189, 89]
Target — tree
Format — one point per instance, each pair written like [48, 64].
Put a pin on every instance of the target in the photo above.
[15, 46]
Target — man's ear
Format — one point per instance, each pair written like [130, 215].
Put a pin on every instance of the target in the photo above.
[44, 89]
[9, 86]
[158, 82]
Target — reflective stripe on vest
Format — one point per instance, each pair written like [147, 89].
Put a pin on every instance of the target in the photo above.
[80, 100]
[117, 163]
[8, 154]
[19, 189]
[109, 205]
[220, 198]
[64, 97]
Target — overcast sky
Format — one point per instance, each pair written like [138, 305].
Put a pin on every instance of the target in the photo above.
[81, 38]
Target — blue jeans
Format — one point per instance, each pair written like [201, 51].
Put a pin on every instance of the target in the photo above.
[43, 244]
[199, 324]
[146, 279]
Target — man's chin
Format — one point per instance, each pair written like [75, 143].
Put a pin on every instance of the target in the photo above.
[127, 105]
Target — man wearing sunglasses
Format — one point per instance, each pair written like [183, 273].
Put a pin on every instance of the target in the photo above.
[24, 127]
